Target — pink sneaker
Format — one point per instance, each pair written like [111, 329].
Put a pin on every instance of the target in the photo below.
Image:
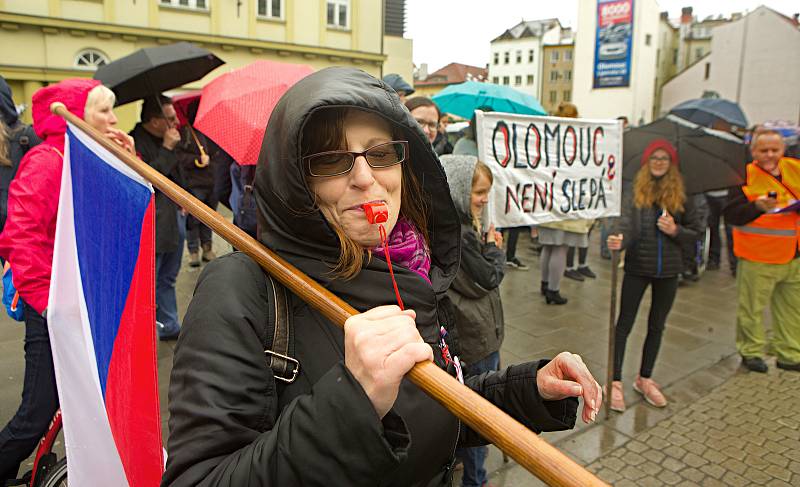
[617, 402]
[651, 392]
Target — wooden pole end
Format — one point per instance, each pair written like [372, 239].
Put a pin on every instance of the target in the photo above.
[56, 106]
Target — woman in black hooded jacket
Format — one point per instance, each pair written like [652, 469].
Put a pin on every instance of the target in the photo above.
[349, 418]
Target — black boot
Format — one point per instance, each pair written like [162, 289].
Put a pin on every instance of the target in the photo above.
[554, 297]
[544, 288]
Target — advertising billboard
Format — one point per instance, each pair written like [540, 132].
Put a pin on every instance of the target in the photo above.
[613, 43]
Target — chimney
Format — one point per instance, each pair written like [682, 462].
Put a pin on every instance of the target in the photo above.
[665, 16]
[736, 16]
[686, 15]
[796, 19]
[423, 71]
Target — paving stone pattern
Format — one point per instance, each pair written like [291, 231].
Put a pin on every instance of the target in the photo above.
[746, 432]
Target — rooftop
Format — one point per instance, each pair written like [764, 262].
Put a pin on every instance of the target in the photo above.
[454, 73]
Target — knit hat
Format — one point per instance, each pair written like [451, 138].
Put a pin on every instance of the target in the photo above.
[664, 145]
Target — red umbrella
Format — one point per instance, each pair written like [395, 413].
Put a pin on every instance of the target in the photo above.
[235, 107]
[182, 102]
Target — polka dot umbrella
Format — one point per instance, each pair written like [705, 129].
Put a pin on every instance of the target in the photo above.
[235, 107]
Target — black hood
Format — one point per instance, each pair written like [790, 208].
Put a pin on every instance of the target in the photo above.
[8, 111]
[296, 229]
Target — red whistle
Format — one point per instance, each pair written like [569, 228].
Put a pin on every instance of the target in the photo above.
[376, 212]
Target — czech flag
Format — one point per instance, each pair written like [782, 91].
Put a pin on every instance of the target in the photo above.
[101, 318]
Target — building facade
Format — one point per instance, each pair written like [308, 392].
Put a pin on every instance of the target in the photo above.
[45, 41]
[516, 55]
[557, 68]
[754, 61]
[634, 101]
[666, 58]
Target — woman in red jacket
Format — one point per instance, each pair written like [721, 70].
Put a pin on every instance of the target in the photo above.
[27, 244]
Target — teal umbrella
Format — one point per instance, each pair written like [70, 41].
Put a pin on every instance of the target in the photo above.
[464, 98]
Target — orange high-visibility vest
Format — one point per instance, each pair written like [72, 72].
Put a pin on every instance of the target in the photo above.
[771, 238]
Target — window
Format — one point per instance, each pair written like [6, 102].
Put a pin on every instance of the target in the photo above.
[553, 97]
[698, 53]
[530, 55]
[554, 75]
[197, 4]
[647, 39]
[567, 95]
[517, 80]
[568, 75]
[708, 71]
[497, 58]
[496, 80]
[519, 57]
[505, 57]
[339, 13]
[506, 80]
[271, 9]
[554, 57]
[674, 56]
[530, 79]
[90, 59]
[568, 55]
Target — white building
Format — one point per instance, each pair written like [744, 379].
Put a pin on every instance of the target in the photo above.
[516, 55]
[754, 61]
[634, 101]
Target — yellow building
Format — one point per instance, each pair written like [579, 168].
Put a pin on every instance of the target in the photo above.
[44, 41]
[557, 69]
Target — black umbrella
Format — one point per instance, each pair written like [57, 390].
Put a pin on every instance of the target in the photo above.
[709, 159]
[152, 70]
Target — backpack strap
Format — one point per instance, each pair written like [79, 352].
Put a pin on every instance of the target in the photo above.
[279, 352]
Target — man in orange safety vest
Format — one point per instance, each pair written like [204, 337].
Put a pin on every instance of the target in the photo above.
[767, 243]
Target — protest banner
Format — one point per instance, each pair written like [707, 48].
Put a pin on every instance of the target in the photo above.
[549, 168]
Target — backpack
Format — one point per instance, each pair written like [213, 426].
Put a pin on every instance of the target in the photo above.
[278, 337]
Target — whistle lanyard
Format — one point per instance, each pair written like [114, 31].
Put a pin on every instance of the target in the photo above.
[378, 213]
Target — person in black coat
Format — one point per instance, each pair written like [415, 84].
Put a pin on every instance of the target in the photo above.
[657, 219]
[16, 139]
[156, 137]
[349, 418]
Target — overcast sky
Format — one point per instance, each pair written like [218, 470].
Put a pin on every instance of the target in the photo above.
[446, 31]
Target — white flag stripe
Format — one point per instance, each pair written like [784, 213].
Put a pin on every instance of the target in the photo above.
[91, 451]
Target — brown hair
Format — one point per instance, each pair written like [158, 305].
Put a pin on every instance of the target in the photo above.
[324, 131]
[4, 142]
[567, 109]
[665, 192]
[481, 169]
[422, 101]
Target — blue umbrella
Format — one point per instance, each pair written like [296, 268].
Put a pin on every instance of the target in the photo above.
[464, 98]
[704, 111]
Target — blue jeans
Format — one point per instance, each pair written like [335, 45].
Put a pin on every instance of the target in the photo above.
[473, 458]
[39, 399]
[168, 264]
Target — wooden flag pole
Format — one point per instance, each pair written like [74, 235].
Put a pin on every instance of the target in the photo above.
[612, 325]
[520, 443]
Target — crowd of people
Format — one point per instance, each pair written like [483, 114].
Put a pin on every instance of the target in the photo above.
[340, 141]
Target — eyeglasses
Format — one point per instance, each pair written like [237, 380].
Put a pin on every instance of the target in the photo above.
[432, 126]
[338, 162]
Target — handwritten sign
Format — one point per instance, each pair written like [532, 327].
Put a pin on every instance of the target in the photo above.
[549, 168]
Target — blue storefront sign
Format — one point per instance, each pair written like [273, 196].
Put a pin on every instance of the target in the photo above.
[613, 43]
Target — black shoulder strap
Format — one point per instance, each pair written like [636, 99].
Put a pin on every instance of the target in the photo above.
[279, 352]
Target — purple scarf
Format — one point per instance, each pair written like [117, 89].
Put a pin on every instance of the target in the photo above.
[407, 248]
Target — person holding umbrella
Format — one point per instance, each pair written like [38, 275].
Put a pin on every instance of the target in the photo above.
[656, 219]
[338, 148]
[767, 244]
[156, 137]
